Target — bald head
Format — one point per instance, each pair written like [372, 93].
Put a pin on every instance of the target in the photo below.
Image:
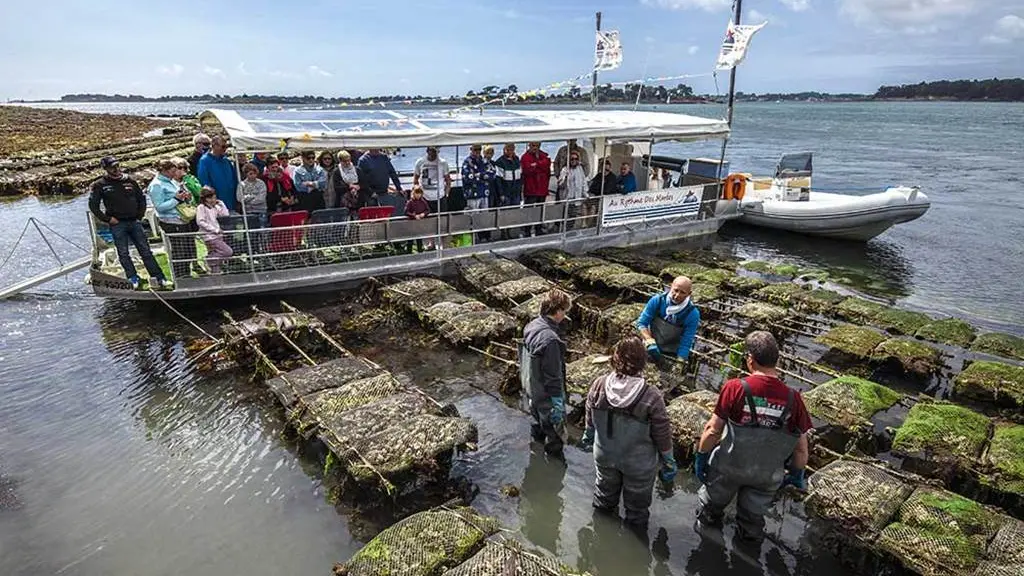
[680, 290]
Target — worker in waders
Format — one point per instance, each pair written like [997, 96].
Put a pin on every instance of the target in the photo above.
[764, 446]
[542, 370]
[669, 322]
[628, 429]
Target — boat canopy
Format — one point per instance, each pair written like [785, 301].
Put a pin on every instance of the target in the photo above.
[265, 130]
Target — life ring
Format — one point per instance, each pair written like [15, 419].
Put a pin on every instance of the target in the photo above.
[735, 186]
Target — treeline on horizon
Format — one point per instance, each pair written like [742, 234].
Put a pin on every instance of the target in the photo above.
[1004, 90]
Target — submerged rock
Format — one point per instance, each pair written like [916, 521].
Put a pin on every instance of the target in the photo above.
[849, 401]
[992, 381]
[952, 331]
[940, 431]
[912, 356]
[853, 340]
[999, 344]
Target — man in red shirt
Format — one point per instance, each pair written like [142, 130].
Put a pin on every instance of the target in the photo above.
[765, 424]
[536, 167]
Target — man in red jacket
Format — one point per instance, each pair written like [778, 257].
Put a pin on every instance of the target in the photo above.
[536, 167]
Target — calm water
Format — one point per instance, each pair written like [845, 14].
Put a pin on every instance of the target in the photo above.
[116, 458]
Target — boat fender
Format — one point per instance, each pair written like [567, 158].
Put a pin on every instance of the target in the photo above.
[735, 186]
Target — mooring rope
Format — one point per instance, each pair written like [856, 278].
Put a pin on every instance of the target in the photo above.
[185, 318]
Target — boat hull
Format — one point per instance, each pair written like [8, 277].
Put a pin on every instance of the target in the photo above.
[857, 218]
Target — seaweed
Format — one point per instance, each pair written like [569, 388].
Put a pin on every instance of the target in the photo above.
[849, 401]
[952, 331]
[856, 341]
[999, 344]
[912, 356]
[992, 381]
[942, 431]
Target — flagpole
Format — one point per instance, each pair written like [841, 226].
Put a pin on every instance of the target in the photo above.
[732, 95]
[593, 79]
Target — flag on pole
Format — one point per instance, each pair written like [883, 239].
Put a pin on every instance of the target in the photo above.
[608, 52]
[734, 47]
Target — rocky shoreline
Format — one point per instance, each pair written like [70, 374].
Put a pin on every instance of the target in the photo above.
[57, 152]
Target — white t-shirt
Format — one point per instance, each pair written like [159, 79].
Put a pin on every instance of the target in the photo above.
[431, 174]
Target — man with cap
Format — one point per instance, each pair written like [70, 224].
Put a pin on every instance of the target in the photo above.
[668, 324]
[542, 370]
[764, 446]
[123, 208]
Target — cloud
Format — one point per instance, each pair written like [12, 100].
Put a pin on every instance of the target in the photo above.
[912, 16]
[708, 5]
[754, 16]
[467, 71]
[649, 39]
[315, 70]
[241, 69]
[211, 71]
[174, 70]
[692, 50]
[1007, 29]
[796, 5]
[510, 14]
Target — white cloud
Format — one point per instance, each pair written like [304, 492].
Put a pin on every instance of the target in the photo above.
[211, 71]
[467, 71]
[753, 16]
[315, 70]
[708, 5]
[510, 14]
[912, 16]
[649, 39]
[796, 5]
[241, 69]
[1007, 29]
[692, 50]
[174, 70]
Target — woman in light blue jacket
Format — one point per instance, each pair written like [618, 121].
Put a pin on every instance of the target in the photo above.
[167, 192]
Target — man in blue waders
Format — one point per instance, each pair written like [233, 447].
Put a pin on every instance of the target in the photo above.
[669, 322]
[542, 370]
[764, 446]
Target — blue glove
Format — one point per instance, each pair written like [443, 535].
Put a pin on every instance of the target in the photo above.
[794, 478]
[653, 350]
[700, 466]
[669, 469]
[557, 409]
[587, 441]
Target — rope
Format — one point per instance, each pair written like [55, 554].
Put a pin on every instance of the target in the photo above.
[183, 317]
[22, 235]
[62, 237]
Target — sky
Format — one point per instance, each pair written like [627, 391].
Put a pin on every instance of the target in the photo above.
[441, 47]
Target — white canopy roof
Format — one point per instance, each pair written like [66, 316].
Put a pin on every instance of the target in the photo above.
[264, 130]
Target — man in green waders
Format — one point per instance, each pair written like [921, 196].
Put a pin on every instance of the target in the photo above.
[669, 322]
[764, 446]
[542, 370]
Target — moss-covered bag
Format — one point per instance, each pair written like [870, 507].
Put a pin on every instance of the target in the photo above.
[1006, 456]
[619, 319]
[992, 382]
[596, 274]
[713, 276]
[952, 331]
[580, 374]
[501, 557]
[761, 313]
[303, 381]
[858, 497]
[852, 340]
[669, 273]
[706, 258]
[859, 309]
[912, 356]
[937, 533]
[896, 321]
[849, 401]
[939, 431]
[705, 293]
[424, 544]
[687, 420]
[518, 290]
[411, 443]
[1005, 345]
[1005, 555]
[743, 285]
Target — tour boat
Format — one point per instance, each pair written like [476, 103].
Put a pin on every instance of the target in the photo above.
[331, 247]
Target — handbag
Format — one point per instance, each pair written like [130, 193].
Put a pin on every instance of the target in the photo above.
[186, 211]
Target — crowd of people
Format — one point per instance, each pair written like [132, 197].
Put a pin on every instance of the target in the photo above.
[754, 444]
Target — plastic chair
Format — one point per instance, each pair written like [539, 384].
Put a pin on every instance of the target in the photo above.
[325, 236]
[376, 212]
[287, 240]
[233, 227]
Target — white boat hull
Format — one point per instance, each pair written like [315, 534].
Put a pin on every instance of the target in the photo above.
[839, 216]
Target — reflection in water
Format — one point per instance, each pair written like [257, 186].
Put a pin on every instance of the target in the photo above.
[541, 507]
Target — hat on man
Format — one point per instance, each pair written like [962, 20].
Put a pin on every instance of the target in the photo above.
[108, 162]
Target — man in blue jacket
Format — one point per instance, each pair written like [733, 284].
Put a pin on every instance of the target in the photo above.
[669, 322]
[217, 172]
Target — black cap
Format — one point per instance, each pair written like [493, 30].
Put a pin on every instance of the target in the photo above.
[107, 162]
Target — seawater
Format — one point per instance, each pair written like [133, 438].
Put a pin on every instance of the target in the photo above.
[115, 458]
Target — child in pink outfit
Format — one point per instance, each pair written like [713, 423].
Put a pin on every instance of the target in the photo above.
[206, 217]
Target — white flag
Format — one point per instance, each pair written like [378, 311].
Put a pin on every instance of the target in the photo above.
[608, 53]
[734, 47]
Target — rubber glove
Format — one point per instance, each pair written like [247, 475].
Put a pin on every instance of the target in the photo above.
[700, 466]
[652, 348]
[557, 409]
[669, 469]
[795, 478]
[587, 441]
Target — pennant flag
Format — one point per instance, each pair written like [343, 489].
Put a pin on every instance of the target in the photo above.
[608, 53]
[734, 47]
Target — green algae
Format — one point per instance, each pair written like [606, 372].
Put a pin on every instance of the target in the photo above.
[705, 293]
[781, 294]
[858, 309]
[913, 356]
[999, 344]
[706, 258]
[790, 270]
[899, 321]
[817, 300]
[1006, 455]
[714, 276]
[939, 430]
[992, 381]
[813, 275]
[758, 266]
[952, 331]
[743, 285]
[857, 341]
[849, 401]
[669, 273]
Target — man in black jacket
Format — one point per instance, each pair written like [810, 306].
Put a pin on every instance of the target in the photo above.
[124, 205]
[606, 182]
[542, 370]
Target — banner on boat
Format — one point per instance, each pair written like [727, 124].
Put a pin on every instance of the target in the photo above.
[608, 53]
[640, 207]
[734, 47]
